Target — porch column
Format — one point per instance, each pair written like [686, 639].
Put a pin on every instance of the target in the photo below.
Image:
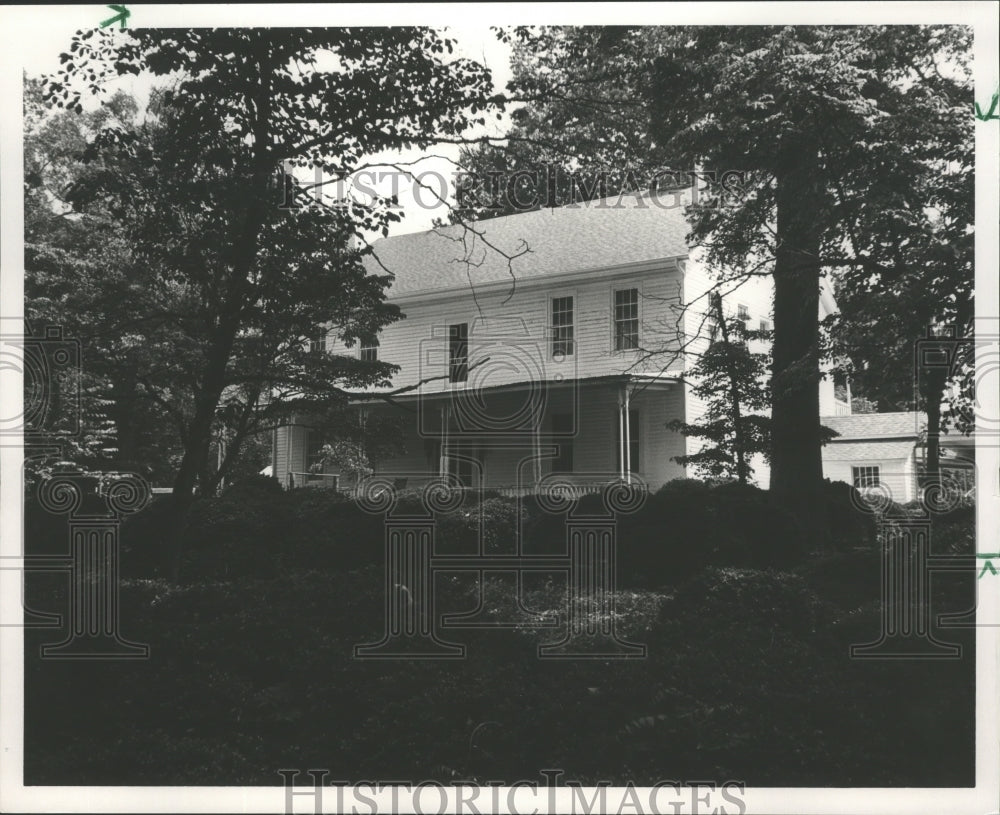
[627, 447]
[536, 443]
[443, 460]
[621, 435]
[289, 429]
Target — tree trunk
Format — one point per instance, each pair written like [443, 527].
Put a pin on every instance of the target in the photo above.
[123, 408]
[199, 439]
[936, 378]
[796, 455]
[238, 292]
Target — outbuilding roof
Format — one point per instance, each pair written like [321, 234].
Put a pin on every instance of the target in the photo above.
[901, 425]
[868, 450]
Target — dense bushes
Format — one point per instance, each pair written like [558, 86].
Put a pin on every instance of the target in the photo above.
[246, 676]
[256, 529]
[771, 599]
[496, 521]
[688, 525]
[253, 486]
[747, 674]
[843, 523]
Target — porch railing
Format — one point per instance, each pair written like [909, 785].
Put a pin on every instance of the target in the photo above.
[572, 491]
[302, 479]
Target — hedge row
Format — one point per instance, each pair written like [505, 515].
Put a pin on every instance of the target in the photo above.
[258, 530]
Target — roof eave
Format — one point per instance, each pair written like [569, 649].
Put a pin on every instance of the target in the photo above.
[621, 270]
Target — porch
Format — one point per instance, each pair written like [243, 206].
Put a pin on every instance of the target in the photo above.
[512, 439]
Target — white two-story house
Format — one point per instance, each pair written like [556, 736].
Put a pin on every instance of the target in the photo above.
[549, 345]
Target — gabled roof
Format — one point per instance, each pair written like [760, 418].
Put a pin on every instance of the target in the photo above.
[902, 425]
[594, 235]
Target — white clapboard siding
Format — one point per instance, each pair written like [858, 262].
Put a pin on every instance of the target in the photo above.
[510, 343]
[512, 331]
[291, 452]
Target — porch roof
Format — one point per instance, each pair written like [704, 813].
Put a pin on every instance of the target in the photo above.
[642, 380]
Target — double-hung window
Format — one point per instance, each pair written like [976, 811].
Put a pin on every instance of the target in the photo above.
[317, 344]
[369, 349]
[562, 326]
[458, 352]
[626, 319]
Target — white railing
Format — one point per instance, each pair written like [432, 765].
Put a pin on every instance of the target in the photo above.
[572, 491]
[302, 479]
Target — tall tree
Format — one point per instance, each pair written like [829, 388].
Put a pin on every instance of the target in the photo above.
[815, 118]
[732, 380]
[202, 206]
[907, 280]
[80, 275]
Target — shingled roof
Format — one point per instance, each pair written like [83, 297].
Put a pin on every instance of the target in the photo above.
[587, 236]
[902, 425]
[868, 450]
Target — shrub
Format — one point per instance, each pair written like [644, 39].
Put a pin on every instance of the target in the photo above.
[758, 526]
[328, 530]
[544, 531]
[688, 525]
[846, 579]
[955, 531]
[846, 524]
[253, 487]
[497, 518]
[723, 597]
[227, 537]
[143, 543]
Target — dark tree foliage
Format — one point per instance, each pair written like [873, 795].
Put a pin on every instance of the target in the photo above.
[196, 191]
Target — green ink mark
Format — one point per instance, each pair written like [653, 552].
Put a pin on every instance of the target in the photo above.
[124, 14]
[991, 113]
[988, 556]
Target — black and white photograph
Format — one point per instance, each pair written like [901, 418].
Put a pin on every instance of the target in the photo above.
[481, 408]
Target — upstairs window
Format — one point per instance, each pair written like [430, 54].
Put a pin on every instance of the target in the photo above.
[626, 317]
[712, 325]
[317, 344]
[765, 325]
[562, 326]
[742, 313]
[458, 352]
[369, 349]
